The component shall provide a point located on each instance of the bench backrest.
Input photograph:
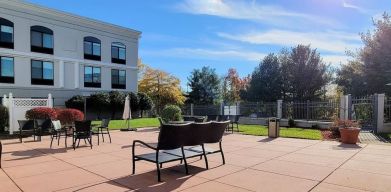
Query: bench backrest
(173, 136)
(215, 132)
(197, 134)
(26, 125)
(44, 124)
(83, 126)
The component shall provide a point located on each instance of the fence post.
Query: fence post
(10, 114)
(349, 106)
(342, 108)
(237, 108)
(222, 108)
(191, 109)
(308, 110)
(279, 108)
(50, 100)
(379, 112)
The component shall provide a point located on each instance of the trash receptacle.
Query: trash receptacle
(274, 127)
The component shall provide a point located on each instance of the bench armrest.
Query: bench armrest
(143, 143)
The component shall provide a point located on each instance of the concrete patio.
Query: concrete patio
(253, 164)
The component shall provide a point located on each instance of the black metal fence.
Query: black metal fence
(201, 110)
(258, 109)
(311, 110)
(387, 110)
(363, 111)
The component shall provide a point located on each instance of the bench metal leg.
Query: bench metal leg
(184, 159)
(222, 153)
(204, 154)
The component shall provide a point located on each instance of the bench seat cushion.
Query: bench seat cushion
(163, 157)
(198, 149)
(188, 153)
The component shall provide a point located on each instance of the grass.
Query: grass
(386, 136)
(260, 130)
(134, 123)
(245, 129)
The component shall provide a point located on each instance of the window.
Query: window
(6, 34)
(118, 79)
(6, 70)
(92, 48)
(42, 72)
(41, 40)
(91, 76)
(118, 53)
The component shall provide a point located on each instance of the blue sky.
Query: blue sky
(180, 35)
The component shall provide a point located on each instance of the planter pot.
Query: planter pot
(349, 135)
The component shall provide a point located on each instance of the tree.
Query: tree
(134, 102)
(76, 102)
(205, 86)
(232, 86)
(145, 102)
(117, 101)
(304, 74)
(162, 87)
(266, 81)
(350, 78)
(99, 102)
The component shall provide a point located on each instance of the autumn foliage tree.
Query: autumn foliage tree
(232, 86)
(162, 87)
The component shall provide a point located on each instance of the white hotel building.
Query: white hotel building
(48, 51)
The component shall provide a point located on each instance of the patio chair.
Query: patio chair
(211, 134)
(234, 120)
(170, 137)
(82, 131)
(42, 126)
(57, 131)
(103, 129)
(26, 126)
(1, 152)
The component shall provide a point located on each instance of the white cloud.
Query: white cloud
(336, 60)
(199, 53)
(249, 10)
(355, 7)
(331, 41)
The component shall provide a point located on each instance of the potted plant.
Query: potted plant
(348, 130)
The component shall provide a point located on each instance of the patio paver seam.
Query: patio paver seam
(12, 180)
(339, 168)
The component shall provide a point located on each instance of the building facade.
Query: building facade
(48, 51)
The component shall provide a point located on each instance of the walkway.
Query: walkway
(371, 138)
(253, 164)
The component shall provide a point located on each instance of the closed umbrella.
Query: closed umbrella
(127, 115)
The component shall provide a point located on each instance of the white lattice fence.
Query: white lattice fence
(17, 108)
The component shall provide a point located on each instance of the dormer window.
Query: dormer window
(41, 40)
(92, 48)
(6, 34)
(118, 53)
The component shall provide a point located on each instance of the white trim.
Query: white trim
(77, 74)
(61, 75)
(39, 56)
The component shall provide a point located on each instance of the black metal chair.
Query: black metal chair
(83, 131)
(42, 126)
(234, 120)
(161, 121)
(170, 137)
(211, 134)
(26, 126)
(57, 132)
(103, 129)
(1, 152)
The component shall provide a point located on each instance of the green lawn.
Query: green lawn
(134, 123)
(245, 129)
(284, 132)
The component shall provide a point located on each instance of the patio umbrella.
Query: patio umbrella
(127, 115)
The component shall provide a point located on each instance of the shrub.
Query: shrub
(76, 102)
(291, 122)
(67, 116)
(339, 123)
(171, 113)
(3, 118)
(117, 101)
(145, 102)
(99, 102)
(41, 113)
(134, 101)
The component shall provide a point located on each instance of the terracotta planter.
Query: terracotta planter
(349, 135)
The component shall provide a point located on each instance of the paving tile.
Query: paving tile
(214, 186)
(237, 160)
(252, 152)
(92, 160)
(100, 186)
(282, 148)
(264, 181)
(326, 187)
(300, 170)
(26, 160)
(8, 186)
(313, 159)
(57, 181)
(377, 151)
(170, 182)
(368, 166)
(37, 169)
(373, 158)
(360, 180)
